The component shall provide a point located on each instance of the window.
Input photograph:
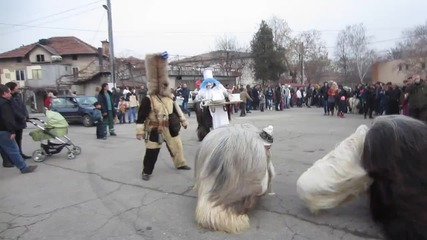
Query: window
(19, 59)
(400, 67)
(40, 58)
(75, 57)
(20, 75)
(423, 66)
(75, 72)
(62, 103)
(407, 66)
(37, 73)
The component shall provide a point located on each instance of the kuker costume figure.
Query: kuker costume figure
(159, 117)
(233, 169)
(389, 162)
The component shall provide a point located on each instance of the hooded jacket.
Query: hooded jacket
(7, 117)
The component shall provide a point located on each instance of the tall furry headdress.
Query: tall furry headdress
(156, 66)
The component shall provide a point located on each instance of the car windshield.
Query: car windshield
(85, 100)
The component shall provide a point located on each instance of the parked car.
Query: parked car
(180, 99)
(75, 108)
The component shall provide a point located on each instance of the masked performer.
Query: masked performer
(159, 117)
(233, 169)
(389, 161)
(211, 105)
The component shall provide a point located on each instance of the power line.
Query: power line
(57, 28)
(39, 26)
(99, 26)
(59, 13)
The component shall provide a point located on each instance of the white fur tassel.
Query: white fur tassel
(336, 178)
(219, 219)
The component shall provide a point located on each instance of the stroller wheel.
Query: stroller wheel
(70, 155)
(76, 150)
(39, 155)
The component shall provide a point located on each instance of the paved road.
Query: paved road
(100, 195)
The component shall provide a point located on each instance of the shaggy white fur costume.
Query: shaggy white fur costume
(354, 102)
(336, 178)
(233, 169)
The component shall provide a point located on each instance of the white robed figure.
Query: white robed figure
(212, 93)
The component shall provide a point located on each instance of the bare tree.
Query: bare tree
(313, 51)
(352, 47)
(228, 47)
(413, 50)
(281, 32)
(285, 44)
(342, 55)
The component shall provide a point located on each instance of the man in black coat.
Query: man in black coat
(324, 96)
(21, 114)
(393, 99)
(369, 98)
(8, 128)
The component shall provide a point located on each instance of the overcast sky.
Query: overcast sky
(190, 27)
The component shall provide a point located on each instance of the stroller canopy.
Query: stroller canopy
(55, 120)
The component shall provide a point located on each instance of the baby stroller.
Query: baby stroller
(56, 128)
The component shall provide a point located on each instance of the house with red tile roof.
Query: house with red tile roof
(58, 64)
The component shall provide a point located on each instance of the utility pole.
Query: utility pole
(110, 39)
(302, 63)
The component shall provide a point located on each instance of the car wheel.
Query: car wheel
(87, 121)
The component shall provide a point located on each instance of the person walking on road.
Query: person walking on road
(8, 128)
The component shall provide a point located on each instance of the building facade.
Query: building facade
(396, 71)
(229, 67)
(58, 64)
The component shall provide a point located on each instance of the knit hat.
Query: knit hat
(267, 135)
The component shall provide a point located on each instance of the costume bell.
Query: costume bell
(159, 117)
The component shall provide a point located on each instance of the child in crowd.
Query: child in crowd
(342, 105)
(121, 114)
(101, 131)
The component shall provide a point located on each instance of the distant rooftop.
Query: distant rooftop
(55, 45)
(212, 56)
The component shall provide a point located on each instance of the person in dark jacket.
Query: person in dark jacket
(278, 97)
(185, 93)
(21, 114)
(417, 98)
(8, 128)
(255, 98)
(309, 96)
(101, 131)
(369, 99)
(106, 99)
(324, 97)
(393, 99)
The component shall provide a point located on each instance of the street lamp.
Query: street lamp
(110, 39)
